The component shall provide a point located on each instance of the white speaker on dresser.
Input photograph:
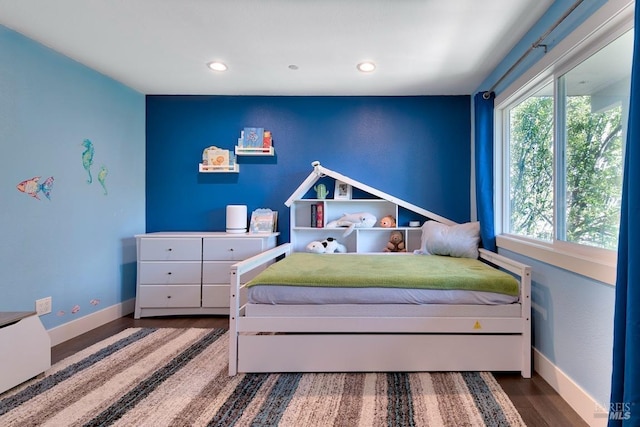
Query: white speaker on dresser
(236, 219)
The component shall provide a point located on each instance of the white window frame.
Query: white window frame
(608, 23)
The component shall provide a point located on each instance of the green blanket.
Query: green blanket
(386, 270)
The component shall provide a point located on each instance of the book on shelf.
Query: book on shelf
(214, 158)
(252, 137)
(267, 141)
(313, 219)
(263, 221)
(316, 219)
(320, 215)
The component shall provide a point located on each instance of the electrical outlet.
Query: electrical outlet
(43, 306)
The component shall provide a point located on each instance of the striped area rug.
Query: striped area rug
(178, 377)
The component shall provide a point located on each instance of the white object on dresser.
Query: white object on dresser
(183, 273)
(25, 348)
(237, 219)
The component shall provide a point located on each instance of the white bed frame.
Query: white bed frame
(379, 338)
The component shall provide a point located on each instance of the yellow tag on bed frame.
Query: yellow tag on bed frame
(477, 325)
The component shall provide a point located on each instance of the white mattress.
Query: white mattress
(317, 295)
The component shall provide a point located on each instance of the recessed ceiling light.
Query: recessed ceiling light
(366, 67)
(293, 67)
(217, 66)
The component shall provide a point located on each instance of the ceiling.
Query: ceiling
(421, 47)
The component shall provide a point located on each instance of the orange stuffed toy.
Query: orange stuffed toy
(388, 222)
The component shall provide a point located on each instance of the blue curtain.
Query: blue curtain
(625, 382)
(484, 168)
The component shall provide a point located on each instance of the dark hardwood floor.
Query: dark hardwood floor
(538, 404)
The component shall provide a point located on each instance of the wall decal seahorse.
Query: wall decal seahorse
(87, 158)
(102, 175)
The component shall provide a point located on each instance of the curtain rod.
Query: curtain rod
(537, 44)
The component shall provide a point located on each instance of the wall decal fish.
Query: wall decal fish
(87, 158)
(32, 187)
(75, 309)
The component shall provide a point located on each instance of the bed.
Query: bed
(368, 327)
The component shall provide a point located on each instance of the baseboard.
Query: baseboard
(79, 326)
(581, 402)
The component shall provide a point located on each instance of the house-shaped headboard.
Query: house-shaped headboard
(314, 214)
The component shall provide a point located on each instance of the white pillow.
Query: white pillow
(460, 240)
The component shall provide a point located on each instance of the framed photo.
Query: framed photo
(342, 191)
(263, 221)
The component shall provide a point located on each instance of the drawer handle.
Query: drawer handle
(168, 296)
(231, 250)
(169, 249)
(169, 273)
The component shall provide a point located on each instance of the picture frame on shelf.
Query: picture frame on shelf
(263, 221)
(342, 191)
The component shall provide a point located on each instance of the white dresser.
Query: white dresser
(183, 273)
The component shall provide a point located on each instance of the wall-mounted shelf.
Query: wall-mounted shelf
(235, 168)
(254, 151)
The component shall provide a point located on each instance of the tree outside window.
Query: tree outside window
(566, 158)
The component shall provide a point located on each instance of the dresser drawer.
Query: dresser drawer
(217, 296)
(218, 272)
(229, 249)
(173, 249)
(170, 273)
(162, 296)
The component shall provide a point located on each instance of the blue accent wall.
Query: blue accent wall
(414, 148)
(77, 246)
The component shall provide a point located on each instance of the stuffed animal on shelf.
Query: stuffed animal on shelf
(327, 246)
(396, 242)
(351, 221)
(388, 222)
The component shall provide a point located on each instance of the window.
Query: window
(563, 145)
(595, 96)
(531, 165)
